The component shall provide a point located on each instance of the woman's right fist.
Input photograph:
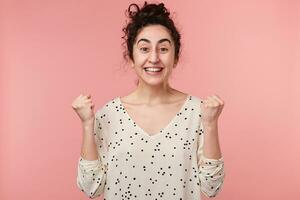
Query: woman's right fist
(84, 108)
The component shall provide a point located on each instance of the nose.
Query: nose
(154, 58)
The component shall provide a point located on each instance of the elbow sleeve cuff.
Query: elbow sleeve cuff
(211, 174)
(91, 177)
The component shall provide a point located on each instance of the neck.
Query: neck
(153, 93)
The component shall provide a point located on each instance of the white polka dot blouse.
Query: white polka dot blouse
(135, 165)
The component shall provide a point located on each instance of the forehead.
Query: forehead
(153, 33)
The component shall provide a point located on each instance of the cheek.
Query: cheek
(167, 59)
(140, 60)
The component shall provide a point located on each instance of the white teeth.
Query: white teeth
(152, 69)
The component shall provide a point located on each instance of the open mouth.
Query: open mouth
(153, 70)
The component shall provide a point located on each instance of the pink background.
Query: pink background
(247, 52)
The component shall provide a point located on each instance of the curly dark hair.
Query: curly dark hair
(149, 14)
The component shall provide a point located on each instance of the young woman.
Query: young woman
(157, 142)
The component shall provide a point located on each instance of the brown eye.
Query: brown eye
(164, 49)
(144, 49)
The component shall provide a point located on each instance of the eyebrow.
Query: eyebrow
(159, 41)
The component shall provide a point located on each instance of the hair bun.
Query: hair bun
(147, 11)
(132, 13)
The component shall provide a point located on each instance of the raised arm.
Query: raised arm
(91, 172)
(91, 175)
(210, 160)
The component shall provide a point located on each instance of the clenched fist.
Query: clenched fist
(211, 108)
(84, 108)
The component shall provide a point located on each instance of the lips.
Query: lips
(153, 69)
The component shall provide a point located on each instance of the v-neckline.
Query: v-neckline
(162, 129)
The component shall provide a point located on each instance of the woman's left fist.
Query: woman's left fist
(211, 108)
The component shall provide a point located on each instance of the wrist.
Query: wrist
(211, 128)
(210, 123)
(88, 124)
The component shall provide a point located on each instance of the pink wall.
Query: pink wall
(244, 51)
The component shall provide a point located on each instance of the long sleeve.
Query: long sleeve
(211, 171)
(91, 174)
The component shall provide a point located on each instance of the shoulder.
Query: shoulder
(196, 102)
(195, 99)
(108, 107)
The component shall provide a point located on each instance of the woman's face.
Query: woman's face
(153, 55)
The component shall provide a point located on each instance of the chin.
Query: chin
(154, 82)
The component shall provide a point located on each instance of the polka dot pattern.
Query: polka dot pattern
(135, 165)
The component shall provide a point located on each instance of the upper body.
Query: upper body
(134, 164)
(157, 142)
